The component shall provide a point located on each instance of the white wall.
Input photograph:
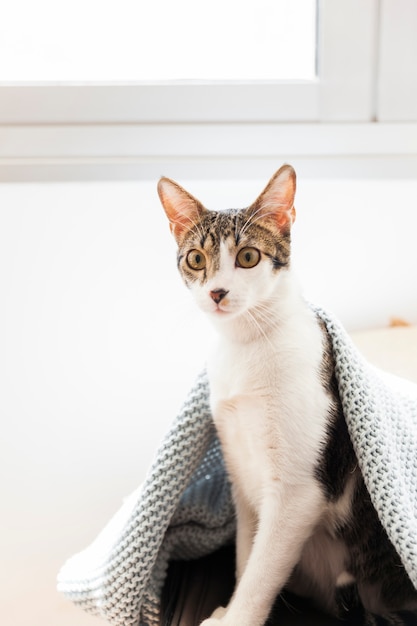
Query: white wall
(99, 341)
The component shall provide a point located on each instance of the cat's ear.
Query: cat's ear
(182, 209)
(276, 202)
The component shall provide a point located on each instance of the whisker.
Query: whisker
(254, 217)
(249, 220)
(258, 326)
(186, 220)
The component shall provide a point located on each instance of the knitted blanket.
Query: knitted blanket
(184, 508)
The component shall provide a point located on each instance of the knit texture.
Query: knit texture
(184, 508)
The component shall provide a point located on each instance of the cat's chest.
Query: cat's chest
(263, 415)
(234, 370)
(267, 373)
(245, 400)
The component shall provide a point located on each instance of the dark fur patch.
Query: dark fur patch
(373, 560)
(347, 600)
(338, 460)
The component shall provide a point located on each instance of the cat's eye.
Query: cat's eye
(248, 257)
(196, 260)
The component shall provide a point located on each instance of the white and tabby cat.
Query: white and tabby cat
(304, 517)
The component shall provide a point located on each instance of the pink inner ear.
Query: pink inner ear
(183, 217)
(182, 210)
(178, 223)
(286, 218)
(278, 197)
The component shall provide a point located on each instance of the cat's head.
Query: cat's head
(232, 260)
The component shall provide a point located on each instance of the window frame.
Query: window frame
(328, 98)
(328, 128)
(397, 85)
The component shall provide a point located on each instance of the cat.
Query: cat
(304, 517)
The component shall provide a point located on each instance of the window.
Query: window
(342, 91)
(357, 69)
(136, 40)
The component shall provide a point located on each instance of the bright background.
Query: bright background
(100, 343)
(128, 40)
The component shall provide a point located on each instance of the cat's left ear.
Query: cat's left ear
(182, 209)
(276, 202)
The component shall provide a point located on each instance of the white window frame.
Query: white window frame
(327, 98)
(218, 129)
(397, 79)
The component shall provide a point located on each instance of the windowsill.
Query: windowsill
(145, 151)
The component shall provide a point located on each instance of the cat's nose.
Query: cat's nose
(218, 294)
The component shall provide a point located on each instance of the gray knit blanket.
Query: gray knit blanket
(184, 508)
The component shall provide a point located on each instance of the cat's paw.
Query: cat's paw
(216, 617)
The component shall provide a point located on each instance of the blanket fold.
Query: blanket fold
(184, 508)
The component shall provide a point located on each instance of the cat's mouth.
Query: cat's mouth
(226, 308)
(217, 309)
(223, 310)
(220, 311)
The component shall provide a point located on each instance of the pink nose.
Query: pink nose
(218, 294)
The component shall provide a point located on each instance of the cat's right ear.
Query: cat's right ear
(182, 209)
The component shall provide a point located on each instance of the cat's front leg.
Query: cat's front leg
(287, 519)
(245, 531)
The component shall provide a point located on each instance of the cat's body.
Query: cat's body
(299, 496)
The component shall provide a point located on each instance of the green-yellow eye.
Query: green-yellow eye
(196, 260)
(248, 257)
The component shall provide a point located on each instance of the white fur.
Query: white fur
(270, 412)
